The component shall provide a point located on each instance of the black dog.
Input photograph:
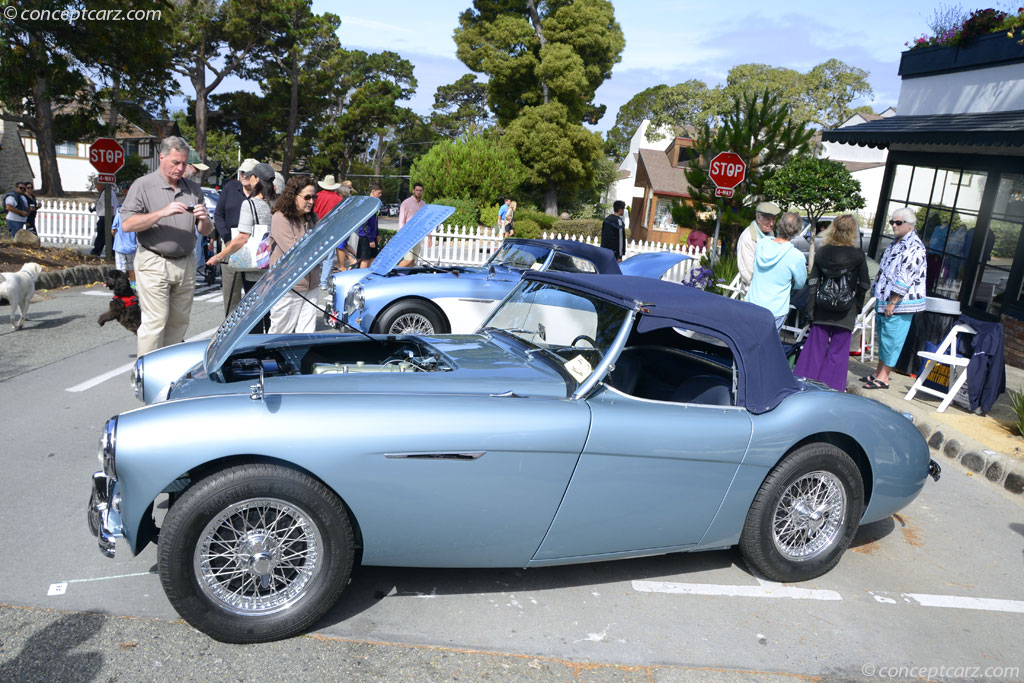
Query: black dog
(124, 307)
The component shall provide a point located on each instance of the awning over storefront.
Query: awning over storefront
(995, 129)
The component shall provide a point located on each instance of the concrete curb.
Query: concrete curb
(995, 468)
(72, 277)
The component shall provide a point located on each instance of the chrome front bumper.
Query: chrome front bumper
(104, 515)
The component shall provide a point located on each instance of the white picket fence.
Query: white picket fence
(454, 245)
(66, 222)
(73, 223)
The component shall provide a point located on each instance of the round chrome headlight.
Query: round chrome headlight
(354, 300)
(107, 447)
(136, 380)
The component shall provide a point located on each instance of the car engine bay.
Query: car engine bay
(348, 357)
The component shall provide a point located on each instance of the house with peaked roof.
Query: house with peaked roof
(142, 138)
(661, 175)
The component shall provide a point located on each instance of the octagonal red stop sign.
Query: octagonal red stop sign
(727, 170)
(106, 155)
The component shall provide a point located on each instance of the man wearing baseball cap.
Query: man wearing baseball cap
(225, 217)
(763, 225)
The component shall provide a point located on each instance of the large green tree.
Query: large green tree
(302, 45)
(480, 168)
(460, 108)
(675, 107)
(822, 96)
(39, 78)
(363, 109)
(544, 62)
(765, 134)
(222, 38)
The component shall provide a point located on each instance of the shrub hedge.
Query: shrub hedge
(466, 211)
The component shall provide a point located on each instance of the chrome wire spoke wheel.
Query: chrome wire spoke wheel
(412, 323)
(810, 516)
(258, 556)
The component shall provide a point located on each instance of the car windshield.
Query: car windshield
(574, 330)
(522, 256)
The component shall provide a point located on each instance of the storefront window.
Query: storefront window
(946, 202)
(997, 253)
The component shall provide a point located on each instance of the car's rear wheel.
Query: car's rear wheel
(805, 514)
(255, 553)
(412, 317)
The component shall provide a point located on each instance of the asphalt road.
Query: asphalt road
(933, 593)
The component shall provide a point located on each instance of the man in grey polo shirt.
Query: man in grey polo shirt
(165, 209)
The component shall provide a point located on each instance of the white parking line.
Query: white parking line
(768, 589)
(100, 379)
(961, 602)
(765, 590)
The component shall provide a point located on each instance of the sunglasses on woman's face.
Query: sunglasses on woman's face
(897, 223)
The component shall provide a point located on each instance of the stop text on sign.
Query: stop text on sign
(106, 156)
(728, 170)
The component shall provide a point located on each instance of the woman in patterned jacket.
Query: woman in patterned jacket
(900, 292)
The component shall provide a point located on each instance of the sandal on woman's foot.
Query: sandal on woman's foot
(868, 378)
(876, 384)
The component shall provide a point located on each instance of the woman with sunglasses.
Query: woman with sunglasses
(293, 218)
(899, 290)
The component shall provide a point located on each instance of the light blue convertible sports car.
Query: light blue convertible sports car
(591, 417)
(432, 299)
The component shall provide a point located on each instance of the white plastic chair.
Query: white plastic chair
(945, 354)
(735, 288)
(865, 325)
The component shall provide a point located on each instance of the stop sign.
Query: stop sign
(106, 155)
(727, 170)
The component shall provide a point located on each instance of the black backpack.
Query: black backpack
(836, 290)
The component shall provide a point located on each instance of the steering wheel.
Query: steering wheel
(583, 337)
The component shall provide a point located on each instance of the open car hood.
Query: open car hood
(304, 256)
(418, 227)
(652, 265)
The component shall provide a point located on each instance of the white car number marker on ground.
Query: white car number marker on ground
(100, 379)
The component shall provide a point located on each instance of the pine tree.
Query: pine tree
(764, 134)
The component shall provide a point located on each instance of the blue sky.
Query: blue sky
(667, 41)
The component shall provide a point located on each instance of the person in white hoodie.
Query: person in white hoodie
(778, 267)
(759, 228)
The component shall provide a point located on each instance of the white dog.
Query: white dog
(18, 289)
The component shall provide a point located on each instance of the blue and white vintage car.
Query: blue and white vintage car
(591, 417)
(433, 300)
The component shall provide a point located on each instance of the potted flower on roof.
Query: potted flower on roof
(988, 37)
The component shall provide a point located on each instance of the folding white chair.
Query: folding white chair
(945, 354)
(735, 288)
(865, 325)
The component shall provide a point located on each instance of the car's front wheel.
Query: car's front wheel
(805, 514)
(412, 317)
(255, 553)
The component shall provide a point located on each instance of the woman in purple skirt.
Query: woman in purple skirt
(840, 271)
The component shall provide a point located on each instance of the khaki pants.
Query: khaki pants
(231, 283)
(165, 287)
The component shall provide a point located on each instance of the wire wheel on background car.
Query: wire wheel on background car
(255, 553)
(805, 514)
(411, 317)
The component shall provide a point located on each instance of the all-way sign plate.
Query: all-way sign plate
(723, 191)
(108, 178)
